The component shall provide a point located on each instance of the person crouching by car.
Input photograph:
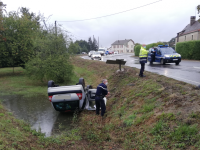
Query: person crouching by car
(143, 60)
(100, 94)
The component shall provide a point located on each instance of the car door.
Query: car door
(90, 102)
(157, 55)
(149, 55)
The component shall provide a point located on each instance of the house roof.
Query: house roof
(122, 42)
(191, 28)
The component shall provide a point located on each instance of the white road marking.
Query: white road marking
(197, 67)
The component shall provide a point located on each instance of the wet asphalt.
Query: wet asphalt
(187, 71)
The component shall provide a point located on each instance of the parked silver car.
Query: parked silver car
(96, 56)
(90, 53)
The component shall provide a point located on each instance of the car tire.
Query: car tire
(82, 82)
(51, 83)
(177, 63)
(162, 62)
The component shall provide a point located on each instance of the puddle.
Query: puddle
(39, 113)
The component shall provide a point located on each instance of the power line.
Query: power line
(114, 13)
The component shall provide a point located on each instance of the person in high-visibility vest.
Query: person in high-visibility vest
(143, 60)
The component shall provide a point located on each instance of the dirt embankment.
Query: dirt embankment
(154, 112)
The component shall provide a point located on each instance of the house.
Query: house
(190, 32)
(123, 46)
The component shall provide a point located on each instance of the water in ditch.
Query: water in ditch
(39, 113)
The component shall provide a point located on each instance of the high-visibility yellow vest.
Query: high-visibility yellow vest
(143, 52)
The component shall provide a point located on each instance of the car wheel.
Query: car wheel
(177, 63)
(51, 83)
(162, 62)
(82, 82)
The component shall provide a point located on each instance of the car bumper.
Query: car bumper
(172, 60)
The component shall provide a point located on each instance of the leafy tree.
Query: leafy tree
(94, 44)
(52, 62)
(90, 43)
(74, 48)
(83, 45)
(198, 8)
(137, 50)
(19, 33)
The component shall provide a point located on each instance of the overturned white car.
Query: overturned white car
(71, 98)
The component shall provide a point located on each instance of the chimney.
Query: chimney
(192, 20)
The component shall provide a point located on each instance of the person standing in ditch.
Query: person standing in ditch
(143, 60)
(100, 94)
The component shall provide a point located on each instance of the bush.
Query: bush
(55, 67)
(189, 50)
(137, 50)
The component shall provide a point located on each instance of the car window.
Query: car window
(96, 53)
(167, 50)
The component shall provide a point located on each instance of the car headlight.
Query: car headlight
(166, 55)
(179, 55)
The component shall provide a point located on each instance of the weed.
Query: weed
(147, 107)
(1, 114)
(167, 116)
(185, 133)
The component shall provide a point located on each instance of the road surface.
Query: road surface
(187, 71)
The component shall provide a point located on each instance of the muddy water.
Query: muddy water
(39, 113)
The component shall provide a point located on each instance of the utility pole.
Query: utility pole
(98, 43)
(55, 28)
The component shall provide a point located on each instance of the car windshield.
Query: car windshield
(101, 50)
(96, 53)
(167, 50)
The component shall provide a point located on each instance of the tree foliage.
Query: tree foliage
(84, 46)
(18, 37)
(42, 53)
(189, 49)
(137, 50)
(154, 45)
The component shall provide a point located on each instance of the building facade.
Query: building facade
(190, 32)
(123, 46)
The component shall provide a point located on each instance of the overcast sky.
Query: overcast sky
(157, 22)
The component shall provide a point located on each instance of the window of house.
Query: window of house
(117, 46)
(114, 46)
(192, 37)
(131, 46)
(128, 46)
(127, 50)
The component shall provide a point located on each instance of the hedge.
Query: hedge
(137, 50)
(189, 50)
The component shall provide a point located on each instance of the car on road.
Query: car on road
(116, 52)
(84, 53)
(72, 98)
(96, 56)
(107, 53)
(102, 51)
(165, 54)
(90, 53)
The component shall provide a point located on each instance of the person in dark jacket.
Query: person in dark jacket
(100, 94)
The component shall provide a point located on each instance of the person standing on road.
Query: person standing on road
(143, 60)
(100, 94)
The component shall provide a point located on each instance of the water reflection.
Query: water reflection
(39, 113)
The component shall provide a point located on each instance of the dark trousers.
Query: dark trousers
(142, 69)
(152, 57)
(100, 103)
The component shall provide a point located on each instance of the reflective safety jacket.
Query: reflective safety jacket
(143, 55)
